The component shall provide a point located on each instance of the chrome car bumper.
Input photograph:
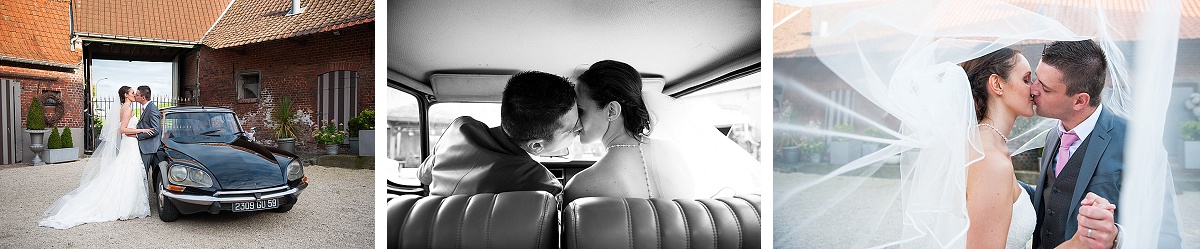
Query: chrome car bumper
(236, 196)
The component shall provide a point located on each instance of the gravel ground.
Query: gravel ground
(844, 223)
(335, 211)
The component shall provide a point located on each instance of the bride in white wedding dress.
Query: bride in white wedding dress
(113, 186)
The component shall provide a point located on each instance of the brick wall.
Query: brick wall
(287, 68)
(69, 82)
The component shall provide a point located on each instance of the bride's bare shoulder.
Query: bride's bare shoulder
(993, 162)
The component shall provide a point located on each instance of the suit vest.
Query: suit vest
(1056, 198)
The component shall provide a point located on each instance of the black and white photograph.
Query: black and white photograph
(573, 124)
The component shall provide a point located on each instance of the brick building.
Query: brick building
(241, 55)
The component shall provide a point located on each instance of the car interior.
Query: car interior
(450, 59)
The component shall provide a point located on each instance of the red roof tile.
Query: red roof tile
(251, 21)
(176, 21)
(793, 38)
(37, 32)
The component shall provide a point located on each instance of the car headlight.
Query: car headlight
(188, 176)
(295, 170)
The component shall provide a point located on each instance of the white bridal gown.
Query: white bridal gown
(116, 192)
(1020, 230)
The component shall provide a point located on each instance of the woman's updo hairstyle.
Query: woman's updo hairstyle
(121, 93)
(980, 69)
(609, 81)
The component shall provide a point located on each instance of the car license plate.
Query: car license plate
(255, 205)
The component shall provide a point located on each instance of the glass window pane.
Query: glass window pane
(403, 138)
(735, 108)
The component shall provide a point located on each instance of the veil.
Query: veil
(719, 167)
(901, 58)
(104, 155)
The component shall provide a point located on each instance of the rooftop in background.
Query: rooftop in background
(171, 21)
(793, 37)
(37, 32)
(251, 21)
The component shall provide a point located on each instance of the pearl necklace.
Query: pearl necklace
(645, 171)
(1002, 136)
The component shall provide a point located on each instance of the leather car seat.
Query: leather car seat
(523, 219)
(607, 222)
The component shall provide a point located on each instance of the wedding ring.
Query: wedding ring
(1089, 234)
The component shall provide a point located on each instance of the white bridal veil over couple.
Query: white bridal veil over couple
(954, 76)
(113, 185)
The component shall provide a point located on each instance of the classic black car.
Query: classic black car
(207, 163)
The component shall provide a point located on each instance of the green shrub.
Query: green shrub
(35, 120)
(843, 129)
(1190, 131)
(364, 121)
(284, 115)
(67, 139)
(54, 141)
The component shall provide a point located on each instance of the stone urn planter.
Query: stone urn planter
(286, 144)
(36, 137)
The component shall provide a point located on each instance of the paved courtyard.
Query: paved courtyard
(335, 211)
(844, 224)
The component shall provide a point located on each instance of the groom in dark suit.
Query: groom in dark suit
(1085, 153)
(151, 118)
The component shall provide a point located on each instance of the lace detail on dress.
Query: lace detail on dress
(1024, 218)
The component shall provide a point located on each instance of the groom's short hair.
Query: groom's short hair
(1083, 66)
(532, 103)
(144, 91)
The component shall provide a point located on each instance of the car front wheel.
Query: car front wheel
(166, 209)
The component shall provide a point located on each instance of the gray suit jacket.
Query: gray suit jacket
(1100, 172)
(151, 119)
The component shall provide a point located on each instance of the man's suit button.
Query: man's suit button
(1051, 212)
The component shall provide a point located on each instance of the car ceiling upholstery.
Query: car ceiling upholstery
(684, 42)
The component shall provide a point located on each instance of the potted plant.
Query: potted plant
(790, 149)
(285, 131)
(35, 125)
(362, 133)
(843, 150)
(1190, 132)
(60, 148)
(813, 148)
(330, 134)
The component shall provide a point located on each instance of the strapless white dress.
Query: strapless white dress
(117, 192)
(1024, 220)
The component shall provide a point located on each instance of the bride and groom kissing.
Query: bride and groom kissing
(1074, 203)
(113, 186)
(646, 133)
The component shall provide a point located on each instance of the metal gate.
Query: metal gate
(11, 141)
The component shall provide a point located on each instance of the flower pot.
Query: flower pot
(814, 158)
(366, 143)
(353, 141)
(1191, 151)
(331, 149)
(37, 146)
(62, 155)
(791, 154)
(842, 152)
(286, 144)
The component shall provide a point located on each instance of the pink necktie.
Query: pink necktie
(1064, 151)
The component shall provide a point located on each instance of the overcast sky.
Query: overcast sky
(157, 75)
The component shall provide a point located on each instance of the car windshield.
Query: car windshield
(201, 127)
